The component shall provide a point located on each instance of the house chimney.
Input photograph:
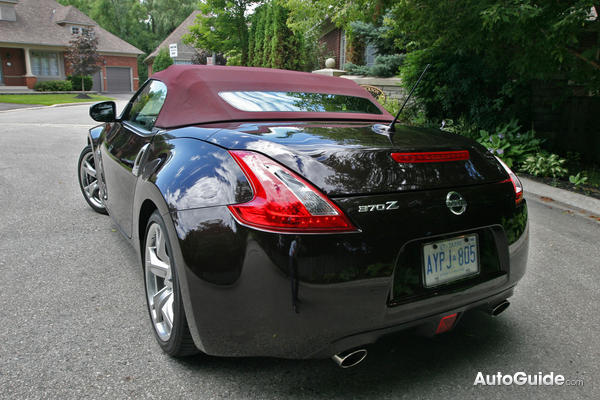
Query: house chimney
(7, 10)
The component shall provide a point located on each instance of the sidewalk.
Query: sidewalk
(550, 194)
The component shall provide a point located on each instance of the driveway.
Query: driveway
(74, 322)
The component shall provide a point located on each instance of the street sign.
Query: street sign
(173, 50)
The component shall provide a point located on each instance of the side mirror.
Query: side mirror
(105, 111)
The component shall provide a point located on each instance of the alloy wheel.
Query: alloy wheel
(159, 283)
(89, 181)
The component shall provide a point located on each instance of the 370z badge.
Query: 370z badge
(388, 205)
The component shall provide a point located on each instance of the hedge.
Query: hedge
(54, 86)
(76, 82)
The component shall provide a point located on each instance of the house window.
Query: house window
(75, 30)
(44, 63)
(370, 54)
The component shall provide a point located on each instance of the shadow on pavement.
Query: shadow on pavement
(400, 361)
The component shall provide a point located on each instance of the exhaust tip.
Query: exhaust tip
(350, 359)
(499, 308)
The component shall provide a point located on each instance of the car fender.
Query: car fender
(94, 135)
(180, 174)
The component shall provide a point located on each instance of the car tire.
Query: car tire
(88, 182)
(163, 294)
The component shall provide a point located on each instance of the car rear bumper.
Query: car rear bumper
(242, 304)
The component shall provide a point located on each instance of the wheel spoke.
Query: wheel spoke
(91, 188)
(89, 169)
(160, 299)
(167, 311)
(161, 246)
(156, 265)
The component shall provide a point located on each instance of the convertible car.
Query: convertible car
(280, 213)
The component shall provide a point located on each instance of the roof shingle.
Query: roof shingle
(38, 24)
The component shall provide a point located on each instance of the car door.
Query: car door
(123, 149)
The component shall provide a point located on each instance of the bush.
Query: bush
(545, 165)
(76, 82)
(384, 66)
(354, 69)
(53, 86)
(509, 144)
(162, 60)
(579, 179)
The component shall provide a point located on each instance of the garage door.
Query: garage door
(97, 81)
(118, 79)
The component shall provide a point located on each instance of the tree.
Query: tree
(162, 60)
(222, 27)
(144, 24)
(488, 54)
(308, 16)
(82, 56)
(271, 43)
(256, 39)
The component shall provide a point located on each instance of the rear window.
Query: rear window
(258, 101)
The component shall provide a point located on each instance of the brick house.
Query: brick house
(34, 35)
(333, 40)
(185, 52)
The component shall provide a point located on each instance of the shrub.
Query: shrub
(579, 179)
(391, 105)
(76, 82)
(162, 60)
(354, 69)
(384, 66)
(545, 165)
(512, 146)
(53, 86)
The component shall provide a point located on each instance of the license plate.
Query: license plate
(450, 260)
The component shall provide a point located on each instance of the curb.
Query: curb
(550, 194)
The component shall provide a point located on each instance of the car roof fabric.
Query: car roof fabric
(193, 94)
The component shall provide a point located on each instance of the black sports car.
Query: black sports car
(275, 214)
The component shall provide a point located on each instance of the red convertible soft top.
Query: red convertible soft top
(193, 94)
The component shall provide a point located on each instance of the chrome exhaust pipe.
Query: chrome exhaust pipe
(499, 308)
(350, 359)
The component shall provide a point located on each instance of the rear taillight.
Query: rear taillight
(517, 185)
(283, 201)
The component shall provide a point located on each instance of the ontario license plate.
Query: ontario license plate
(450, 260)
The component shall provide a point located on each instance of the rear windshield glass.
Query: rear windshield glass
(300, 102)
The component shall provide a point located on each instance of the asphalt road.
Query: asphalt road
(73, 322)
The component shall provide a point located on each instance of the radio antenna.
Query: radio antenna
(391, 127)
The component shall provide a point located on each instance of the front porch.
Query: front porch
(26, 66)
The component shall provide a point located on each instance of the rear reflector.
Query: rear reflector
(283, 201)
(446, 323)
(431, 157)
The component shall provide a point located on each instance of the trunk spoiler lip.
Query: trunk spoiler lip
(400, 192)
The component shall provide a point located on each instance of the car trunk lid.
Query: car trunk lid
(345, 159)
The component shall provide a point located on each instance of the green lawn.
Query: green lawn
(47, 99)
